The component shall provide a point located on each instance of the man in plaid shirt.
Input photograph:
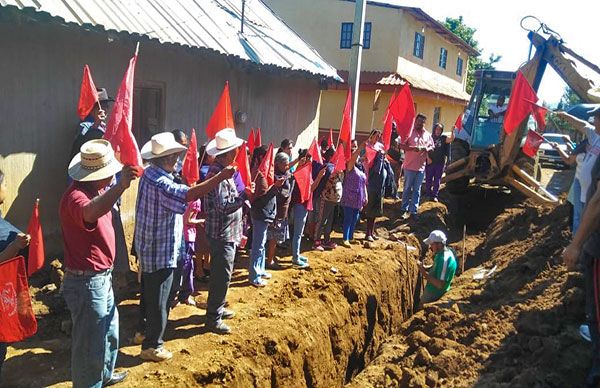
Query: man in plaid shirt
(223, 228)
(159, 233)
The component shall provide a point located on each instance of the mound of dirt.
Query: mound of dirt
(517, 328)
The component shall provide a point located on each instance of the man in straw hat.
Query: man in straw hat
(223, 228)
(159, 233)
(442, 272)
(89, 242)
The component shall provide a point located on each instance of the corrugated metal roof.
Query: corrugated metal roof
(208, 24)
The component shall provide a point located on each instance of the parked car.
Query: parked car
(549, 155)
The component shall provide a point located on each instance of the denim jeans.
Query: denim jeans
(433, 177)
(577, 205)
(412, 190)
(257, 254)
(157, 293)
(221, 267)
(351, 217)
(325, 219)
(300, 214)
(95, 332)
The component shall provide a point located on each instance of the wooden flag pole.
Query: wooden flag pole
(462, 269)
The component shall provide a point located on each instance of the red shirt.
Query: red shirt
(88, 247)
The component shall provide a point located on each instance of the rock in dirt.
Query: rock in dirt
(422, 358)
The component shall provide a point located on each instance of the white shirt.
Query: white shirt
(584, 166)
(497, 109)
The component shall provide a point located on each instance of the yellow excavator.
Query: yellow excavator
(482, 152)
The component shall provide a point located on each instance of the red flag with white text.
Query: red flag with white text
(16, 313)
(532, 143)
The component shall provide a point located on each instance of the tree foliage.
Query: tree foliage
(568, 99)
(466, 33)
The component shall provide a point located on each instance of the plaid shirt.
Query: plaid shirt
(158, 220)
(224, 209)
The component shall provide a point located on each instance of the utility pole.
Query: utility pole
(243, 16)
(356, 58)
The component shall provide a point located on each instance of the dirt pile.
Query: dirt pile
(519, 327)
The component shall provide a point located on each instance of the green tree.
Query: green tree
(568, 99)
(466, 33)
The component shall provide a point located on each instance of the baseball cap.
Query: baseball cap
(437, 236)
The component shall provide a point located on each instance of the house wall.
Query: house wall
(40, 75)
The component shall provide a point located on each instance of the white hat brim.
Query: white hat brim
(212, 149)
(594, 94)
(80, 174)
(147, 153)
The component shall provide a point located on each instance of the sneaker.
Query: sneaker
(116, 378)
(302, 259)
(138, 338)
(300, 264)
(259, 283)
(346, 244)
(156, 355)
(375, 237)
(435, 199)
(329, 245)
(189, 301)
(369, 238)
(219, 328)
(584, 332)
(227, 314)
(405, 215)
(318, 247)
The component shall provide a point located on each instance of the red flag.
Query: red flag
(222, 117)
(458, 123)
(118, 130)
(403, 112)
(37, 257)
(257, 138)
(345, 135)
(267, 167)
(339, 159)
(191, 170)
(250, 143)
(517, 109)
(303, 177)
(88, 96)
(539, 113)
(330, 138)
(243, 166)
(315, 151)
(16, 314)
(388, 118)
(370, 154)
(532, 143)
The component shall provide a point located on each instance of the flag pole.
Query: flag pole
(356, 60)
(462, 269)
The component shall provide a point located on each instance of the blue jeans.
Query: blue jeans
(351, 217)
(95, 332)
(300, 214)
(221, 267)
(157, 293)
(412, 190)
(577, 205)
(257, 254)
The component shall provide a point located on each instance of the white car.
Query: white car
(548, 154)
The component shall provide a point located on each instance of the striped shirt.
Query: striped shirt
(223, 207)
(159, 212)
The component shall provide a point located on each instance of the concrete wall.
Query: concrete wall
(40, 75)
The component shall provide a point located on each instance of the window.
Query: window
(346, 35)
(148, 111)
(459, 66)
(437, 113)
(419, 45)
(443, 57)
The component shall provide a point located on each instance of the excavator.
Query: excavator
(482, 152)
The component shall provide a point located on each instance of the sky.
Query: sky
(499, 31)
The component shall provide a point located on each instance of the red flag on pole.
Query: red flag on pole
(88, 96)
(257, 138)
(267, 167)
(250, 143)
(532, 143)
(330, 138)
(191, 170)
(539, 113)
(243, 166)
(222, 116)
(345, 135)
(36, 256)
(339, 159)
(303, 177)
(388, 118)
(16, 314)
(403, 112)
(118, 130)
(370, 154)
(315, 151)
(517, 109)
(458, 123)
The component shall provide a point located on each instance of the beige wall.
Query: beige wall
(40, 76)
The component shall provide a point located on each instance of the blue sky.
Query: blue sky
(499, 32)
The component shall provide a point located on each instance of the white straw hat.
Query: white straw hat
(437, 236)
(95, 161)
(594, 94)
(225, 140)
(161, 144)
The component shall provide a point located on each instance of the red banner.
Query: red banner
(532, 143)
(16, 313)
(267, 166)
(303, 177)
(88, 96)
(222, 116)
(315, 152)
(191, 169)
(36, 256)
